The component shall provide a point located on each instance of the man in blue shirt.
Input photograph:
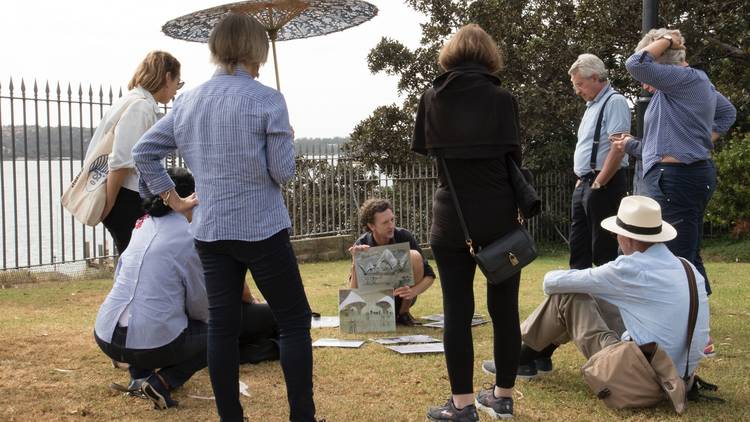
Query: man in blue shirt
(684, 119)
(376, 216)
(648, 284)
(600, 169)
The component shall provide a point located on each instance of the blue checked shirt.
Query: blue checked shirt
(234, 135)
(683, 112)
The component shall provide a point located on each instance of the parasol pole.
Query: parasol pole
(272, 35)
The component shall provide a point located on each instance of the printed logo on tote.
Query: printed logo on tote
(97, 173)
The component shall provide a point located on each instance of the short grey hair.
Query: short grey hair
(588, 65)
(670, 56)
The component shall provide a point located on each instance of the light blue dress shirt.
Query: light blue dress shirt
(651, 291)
(682, 113)
(234, 134)
(159, 279)
(616, 119)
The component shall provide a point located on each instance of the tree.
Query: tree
(540, 40)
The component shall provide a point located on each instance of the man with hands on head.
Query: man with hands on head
(377, 218)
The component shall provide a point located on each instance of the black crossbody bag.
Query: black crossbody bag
(503, 258)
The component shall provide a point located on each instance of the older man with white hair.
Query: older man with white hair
(684, 119)
(600, 169)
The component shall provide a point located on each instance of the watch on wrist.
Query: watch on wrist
(668, 38)
(595, 185)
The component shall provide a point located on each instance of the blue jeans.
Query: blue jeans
(274, 268)
(178, 360)
(683, 191)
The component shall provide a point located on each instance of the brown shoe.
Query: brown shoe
(406, 320)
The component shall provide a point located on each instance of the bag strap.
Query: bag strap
(598, 133)
(692, 313)
(467, 237)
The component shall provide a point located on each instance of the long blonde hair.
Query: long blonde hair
(151, 74)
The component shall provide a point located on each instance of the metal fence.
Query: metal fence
(44, 132)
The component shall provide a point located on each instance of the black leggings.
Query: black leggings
(456, 268)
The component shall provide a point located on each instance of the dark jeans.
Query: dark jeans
(120, 221)
(589, 242)
(683, 191)
(274, 268)
(456, 268)
(178, 360)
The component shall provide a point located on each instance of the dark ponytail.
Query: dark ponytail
(184, 185)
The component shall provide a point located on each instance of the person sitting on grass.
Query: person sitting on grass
(156, 314)
(377, 218)
(648, 284)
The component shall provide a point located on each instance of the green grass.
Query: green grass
(47, 327)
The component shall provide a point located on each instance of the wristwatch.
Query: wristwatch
(595, 185)
(668, 38)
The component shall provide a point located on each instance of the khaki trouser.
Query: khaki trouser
(564, 317)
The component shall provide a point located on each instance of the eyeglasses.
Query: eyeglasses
(180, 84)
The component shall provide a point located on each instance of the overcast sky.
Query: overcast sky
(324, 79)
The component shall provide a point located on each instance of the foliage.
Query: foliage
(382, 140)
(731, 202)
(540, 40)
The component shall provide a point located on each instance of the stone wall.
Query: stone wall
(330, 248)
(323, 248)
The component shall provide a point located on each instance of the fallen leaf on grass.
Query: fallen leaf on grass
(201, 397)
(244, 389)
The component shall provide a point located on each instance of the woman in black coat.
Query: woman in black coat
(471, 121)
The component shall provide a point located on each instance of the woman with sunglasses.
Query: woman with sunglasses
(156, 80)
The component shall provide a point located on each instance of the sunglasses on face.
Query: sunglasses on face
(180, 84)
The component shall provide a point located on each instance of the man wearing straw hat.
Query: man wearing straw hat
(648, 284)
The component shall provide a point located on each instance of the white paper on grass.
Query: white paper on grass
(408, 349)
(325, 322)
(441, 324)
(420, 338)
(335, 342)
(440, 317)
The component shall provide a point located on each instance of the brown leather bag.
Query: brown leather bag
(625, 375)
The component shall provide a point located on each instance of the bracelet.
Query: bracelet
(165, 199)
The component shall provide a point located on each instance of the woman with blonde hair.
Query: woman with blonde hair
(156, 80)
(468, 120)
(234, 134)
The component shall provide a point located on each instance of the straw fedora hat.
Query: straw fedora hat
(639, 218)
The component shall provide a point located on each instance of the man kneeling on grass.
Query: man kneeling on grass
(648, 284)
(377, 218)
(155, 317)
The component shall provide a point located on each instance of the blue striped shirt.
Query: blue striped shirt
(158, 284)
(682, 113)
(234, 134)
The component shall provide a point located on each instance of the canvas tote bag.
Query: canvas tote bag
(86, 195)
